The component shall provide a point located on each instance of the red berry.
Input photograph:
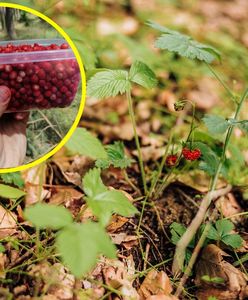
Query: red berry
(39, 84)
(171, 160)
(191, 154)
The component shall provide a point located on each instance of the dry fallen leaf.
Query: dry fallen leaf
(119, 275)
(162, 297)
(8, 224)
(34, 180)
(228, 206)
(116, 223)
(231, 282)
(56, 280)
(63, 194)
(155, 284)
(122, 238)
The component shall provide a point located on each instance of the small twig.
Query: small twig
(193, 227)
(195, 253)
(128, 180)
(148, 246)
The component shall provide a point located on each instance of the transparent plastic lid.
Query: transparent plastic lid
(36, 56)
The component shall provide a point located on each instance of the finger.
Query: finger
(5, 95)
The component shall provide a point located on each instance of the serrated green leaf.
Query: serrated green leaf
(13, 178)
(184, 45)
(48, 216)
(84, 143)
(141, 74)
(176, 230)
(81, 244)
(104, 202)
(216, 124)
(224, 226)
(233, 240)
(221, 232)
(116, 157)
(92, 183)
(9, 192)
(213, 234)
(108, 84)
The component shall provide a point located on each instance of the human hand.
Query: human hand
(13, 141)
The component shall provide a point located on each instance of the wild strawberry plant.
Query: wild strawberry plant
(81, 244)
(185, 46)
(110, 83)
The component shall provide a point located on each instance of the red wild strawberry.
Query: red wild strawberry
(171, 160)
(39, 84)
(191, 154)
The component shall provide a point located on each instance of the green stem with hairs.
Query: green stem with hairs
(141, 163)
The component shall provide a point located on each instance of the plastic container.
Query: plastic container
(39, 79)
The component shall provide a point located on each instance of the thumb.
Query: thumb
(5, 95)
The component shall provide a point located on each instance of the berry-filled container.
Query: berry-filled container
(41, 74)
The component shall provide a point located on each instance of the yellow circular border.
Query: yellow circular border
(83, 77)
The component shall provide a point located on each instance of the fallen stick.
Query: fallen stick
(187, 237)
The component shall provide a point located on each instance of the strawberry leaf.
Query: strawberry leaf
(184, 45)
(233, 240)
(9, 192)
(48, 216)
(81, 244)
(116, 157)
(216, 124)
(84, 143)
(104, 202)
(141, 74)
(13, 178)
(108, 83)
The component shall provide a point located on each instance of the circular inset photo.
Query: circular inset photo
(40, 88)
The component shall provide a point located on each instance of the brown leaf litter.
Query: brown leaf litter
(213, 264)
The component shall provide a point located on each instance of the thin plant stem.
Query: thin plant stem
(166, 182)
(190, 232)
(160, 169)
(132, 116)
(228, 90)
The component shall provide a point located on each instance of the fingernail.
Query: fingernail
(5, 94)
